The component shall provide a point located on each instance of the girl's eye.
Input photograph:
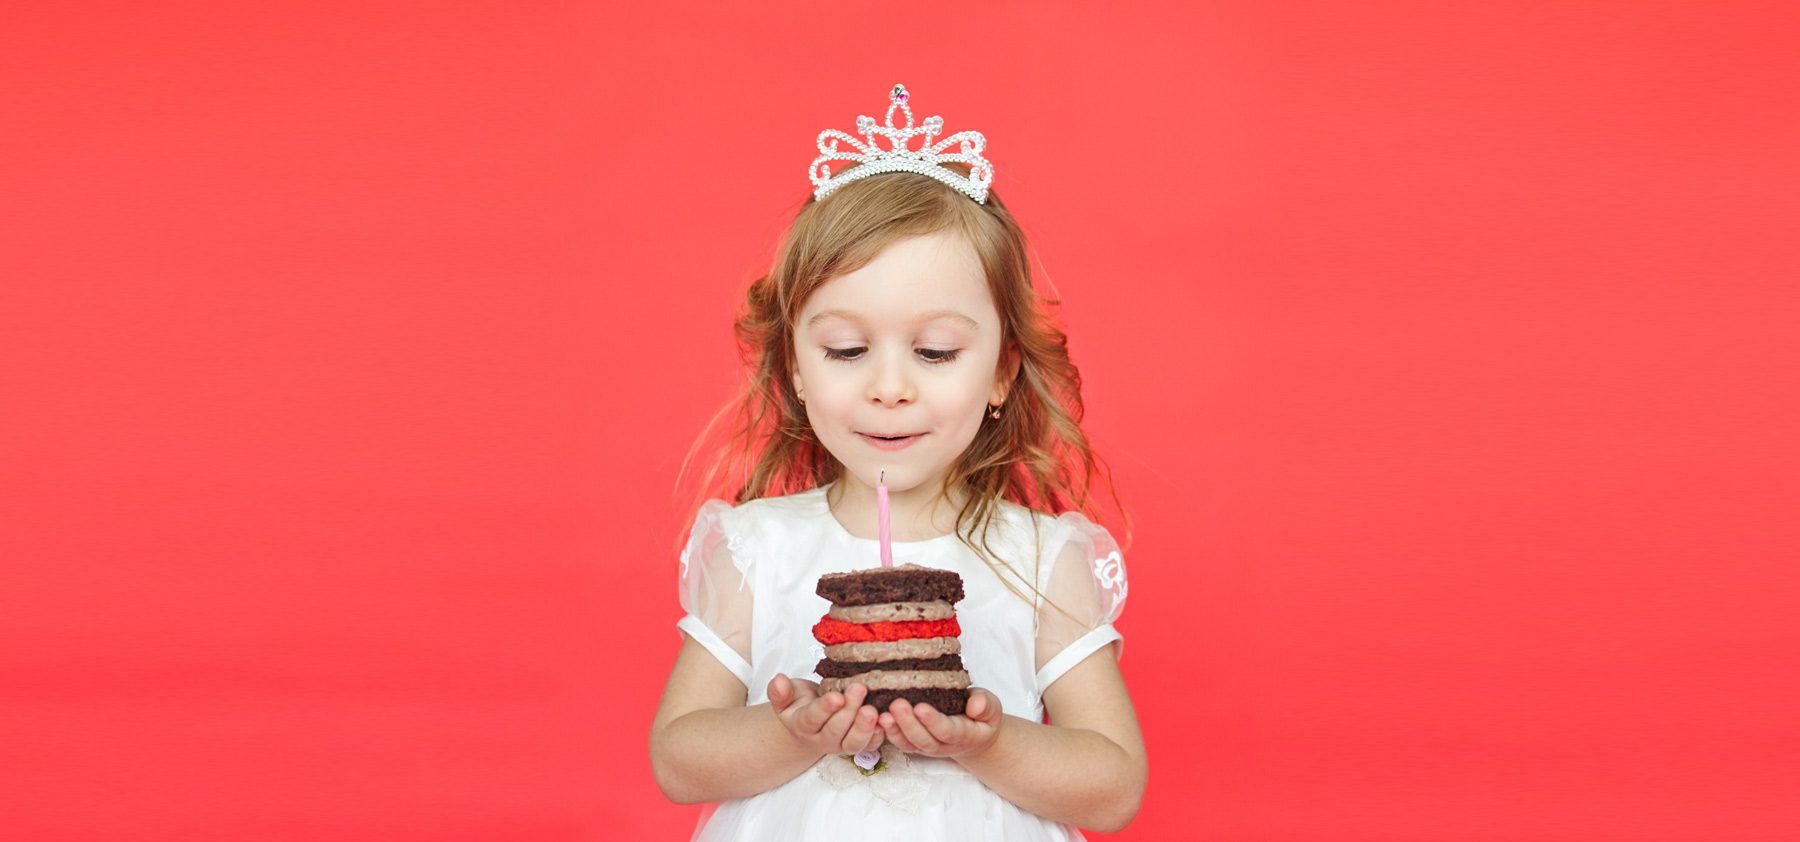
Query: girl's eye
(932, 356)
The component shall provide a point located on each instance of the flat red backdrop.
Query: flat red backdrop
(1441, 351)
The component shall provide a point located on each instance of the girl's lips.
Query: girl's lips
(896, 444)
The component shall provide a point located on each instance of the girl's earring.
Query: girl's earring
(994, 412)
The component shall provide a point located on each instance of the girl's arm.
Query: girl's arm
(1089, 769)
(705, 745)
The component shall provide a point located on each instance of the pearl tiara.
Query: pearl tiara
(900, 157)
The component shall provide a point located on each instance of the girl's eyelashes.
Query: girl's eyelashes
(932, 356)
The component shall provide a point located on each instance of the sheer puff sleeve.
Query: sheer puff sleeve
(715, 588)
(1086, 579)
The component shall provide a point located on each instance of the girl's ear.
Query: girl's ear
(1010, 361)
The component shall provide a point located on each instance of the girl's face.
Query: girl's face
(907, 345)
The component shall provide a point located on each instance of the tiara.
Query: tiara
(900, 156)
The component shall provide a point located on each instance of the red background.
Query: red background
(1442, 353)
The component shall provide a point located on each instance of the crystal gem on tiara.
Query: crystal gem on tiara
(871, 159)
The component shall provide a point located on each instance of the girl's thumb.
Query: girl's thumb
(780, 691)
(981, 706)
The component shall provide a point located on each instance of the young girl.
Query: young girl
(898, 341)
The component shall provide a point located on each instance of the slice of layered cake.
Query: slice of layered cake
(893, 629)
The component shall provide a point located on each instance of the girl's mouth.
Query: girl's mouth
(898, 443)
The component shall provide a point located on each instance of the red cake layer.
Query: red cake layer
(831, 631)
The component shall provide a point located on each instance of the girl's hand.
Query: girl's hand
(833, 723)
(925, 730)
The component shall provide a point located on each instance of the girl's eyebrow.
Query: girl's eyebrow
(923, 317)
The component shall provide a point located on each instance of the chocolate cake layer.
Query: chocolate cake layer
(903, 583)
(950, 702)
(829, 668)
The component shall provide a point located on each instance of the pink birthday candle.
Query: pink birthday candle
(881, 514)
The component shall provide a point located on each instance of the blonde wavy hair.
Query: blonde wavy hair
(1035, 455)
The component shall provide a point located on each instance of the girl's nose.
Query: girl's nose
(892, 380)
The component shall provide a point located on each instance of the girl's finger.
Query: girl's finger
(804, 691)
(977, 706)
(942, 728)
(839, 724)
(991, 710)
(813, 717)
(862, 724)
(862, 728)
(780, 692)
(875, 739)
(891, 728)
(911, 727)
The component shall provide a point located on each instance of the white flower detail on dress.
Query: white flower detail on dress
(897, 781)
(1110, 571)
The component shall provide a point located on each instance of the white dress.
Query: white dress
(747, 582)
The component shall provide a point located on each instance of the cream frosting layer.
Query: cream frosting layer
(892, 612)
(900, 680)
(894, 650)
